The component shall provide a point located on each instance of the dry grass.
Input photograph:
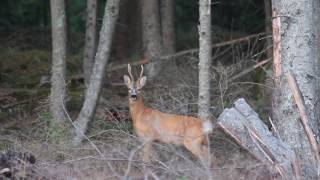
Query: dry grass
(174, 91)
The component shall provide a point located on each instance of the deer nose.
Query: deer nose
(133, 93)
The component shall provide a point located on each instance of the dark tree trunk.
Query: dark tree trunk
(296, 50)
(268, 26)
(151, 36)
(167, 26)
(90, 40)
(97, 75)
(122, 34)
(135, 26)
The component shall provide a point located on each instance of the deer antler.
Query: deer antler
(141, 73)
(129, 71)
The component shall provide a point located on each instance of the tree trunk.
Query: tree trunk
(90, 40)
(135, 26)
(167, 26)
(151, 36)
(204, 59)
(68, 4)
(96, 79)
(296, 49)
(268, 26)
(58, 85)
(122, 34)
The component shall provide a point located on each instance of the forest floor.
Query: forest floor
(24, 118)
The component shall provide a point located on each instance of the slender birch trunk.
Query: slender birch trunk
(90, 40)
(97, 75)
(204, 59)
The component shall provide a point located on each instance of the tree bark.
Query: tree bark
(268, 26)
(58, 85)
(122, 34)
(297, 50)
(90, 40)
(167, 26)
(96, 79)
(204, 59)
(151, 36)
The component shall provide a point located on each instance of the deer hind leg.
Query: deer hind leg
(197, 147)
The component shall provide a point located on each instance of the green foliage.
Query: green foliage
(182, 178)
(240, 15)
(16, 14)
(23, 67)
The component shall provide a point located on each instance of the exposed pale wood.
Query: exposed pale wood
(276, 23)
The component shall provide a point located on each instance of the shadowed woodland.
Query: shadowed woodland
(243, 76)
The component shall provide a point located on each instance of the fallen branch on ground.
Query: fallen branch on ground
(245, 126)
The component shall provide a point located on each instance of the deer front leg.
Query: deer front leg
(146, 151)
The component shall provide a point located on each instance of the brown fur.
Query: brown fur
(153, 125)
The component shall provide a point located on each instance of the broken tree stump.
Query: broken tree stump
(243, 124)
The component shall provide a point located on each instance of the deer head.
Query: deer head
(134, 87)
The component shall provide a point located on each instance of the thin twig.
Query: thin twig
(248, 70)
(274, 128)
(130, 159)
(92, 144)
(86, 137)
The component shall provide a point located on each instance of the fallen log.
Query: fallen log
(243, 124)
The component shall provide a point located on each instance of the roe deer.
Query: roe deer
(153, 125)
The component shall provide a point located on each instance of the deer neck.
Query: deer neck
(136, 108)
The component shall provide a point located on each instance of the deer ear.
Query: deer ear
(127, 80)
(142, 81)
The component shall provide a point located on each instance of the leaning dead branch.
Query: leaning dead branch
(185, 52)
(245, 126)
(303, 114)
